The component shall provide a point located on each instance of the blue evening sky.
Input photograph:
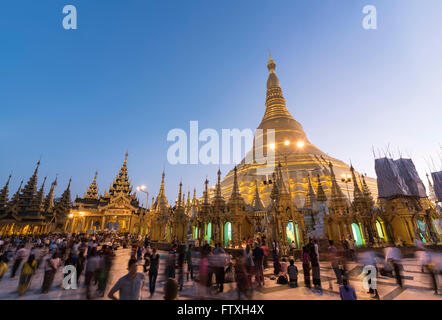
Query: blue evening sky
(133, 70)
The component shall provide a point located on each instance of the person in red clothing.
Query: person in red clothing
(306, 266)
(266, 254)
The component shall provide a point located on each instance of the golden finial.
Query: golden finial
(271, 65)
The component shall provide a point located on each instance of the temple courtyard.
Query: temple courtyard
(417, 285)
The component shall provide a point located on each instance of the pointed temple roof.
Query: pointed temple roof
(92, 191)
(320, 193)
(15, 197)
(37, 203)
(358, 196)
(235, 191)
(180, 201)
(49, 200)
(338, 200)
(218, 199)
(275, 192)
(206, 193)
(121, 184)
(29, 191)
(161, 200)
(257, 204)
(310, 197)
(64, 203)
(291, 147)
(367, 193)
(4, 194)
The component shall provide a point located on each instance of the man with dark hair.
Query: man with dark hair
(129, 285)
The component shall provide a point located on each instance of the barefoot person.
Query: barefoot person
(130, 285)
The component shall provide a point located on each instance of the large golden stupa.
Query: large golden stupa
(298, 157)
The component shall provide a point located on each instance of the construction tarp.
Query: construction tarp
(408, 173)
(390, 182)
(437, 184)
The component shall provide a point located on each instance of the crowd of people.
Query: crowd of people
(90, 255)
(207, 268)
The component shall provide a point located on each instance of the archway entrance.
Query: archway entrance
(194, 232)
(422, 230)
(290, 232)
(380, 229)
(357, 235)
(208, 232)
(227, 234)
(297, 236)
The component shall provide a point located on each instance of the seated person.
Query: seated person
(282, 276)
(276, 267)
(293, 274)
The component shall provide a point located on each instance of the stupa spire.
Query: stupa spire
(357, 193)
(161, 201)
(218, 199)
(338, 200)
(29, 190)
(179, 202)
(281, 184)
(206, 192)
(257, 203)
(4, 193)
(64, 203)
(320, 193)
(92, 191)
(121, 183)
(310, 197)
(37, 203)
(235, 189)
(15, 198)
(366, 192)
(275, 102)
(49, 200)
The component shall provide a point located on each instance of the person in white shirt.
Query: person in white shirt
(51, 267)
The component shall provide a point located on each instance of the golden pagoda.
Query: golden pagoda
(298, 156)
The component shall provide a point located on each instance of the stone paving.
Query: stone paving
(417, 285)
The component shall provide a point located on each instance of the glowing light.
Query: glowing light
(81, 213)
(300, 144)
(287, 142)
(71, 215)
(272, 146)
(141, 188)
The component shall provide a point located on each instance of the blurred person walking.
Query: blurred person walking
(130, 285)
(189, 262)
(27, 271)
(19, 256)
(153, 271)
(51, 267)
(334, 261)
(258, 260)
